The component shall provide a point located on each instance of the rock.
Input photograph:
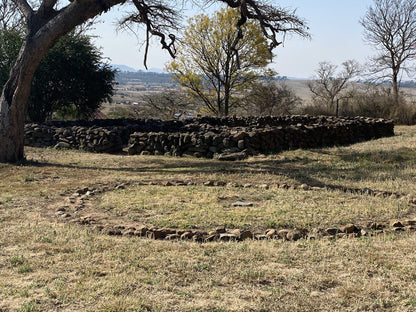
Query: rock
(112, 231)
(409, 222)
(172, 237)
(246, 234)
(304, 187)
(187, 235)
(141, 231)
(294, 235)
(212, 237)
(220, 230)
(271, 233)
(242, 204)
(129, 232)
(348, 228)
(282, 233)
(227, 237)
(396, 223)
(260, 237)
(332, 231)
(232, 156)
(365, 232)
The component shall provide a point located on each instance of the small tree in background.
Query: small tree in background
(215, 64)
(330, 85)
(390, 26)
(163, 105)
(271, 98)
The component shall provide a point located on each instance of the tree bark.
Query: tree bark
(45, 28)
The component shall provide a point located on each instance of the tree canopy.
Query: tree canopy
(390, 26)
(71, 80)
(212, 67)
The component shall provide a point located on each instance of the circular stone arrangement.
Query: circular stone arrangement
(72, 211)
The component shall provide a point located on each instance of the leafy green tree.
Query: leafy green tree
(10, 42)
(215, 64)
(71, 80)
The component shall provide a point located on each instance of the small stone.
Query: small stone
(294, 235)
(220, 230)
(365, 232)
(129, 233)
(141, 231)
(212, 237)
(396, 223)
(282, 233)
(113, 232)
(246, 234)
(270, 233)
(187, 235)
(227, 237)
(332, 231)
(242, 204)
(260, 237)
(172, 237)
(349, 228)
(368, 191)
(304, 187)
(397, 229)
(198, 237)
(264, 186)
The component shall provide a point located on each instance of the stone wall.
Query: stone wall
(207, 136)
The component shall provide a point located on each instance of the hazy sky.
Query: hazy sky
(334, 25)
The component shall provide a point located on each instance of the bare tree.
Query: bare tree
(47, 22)
(271, 98)
(390, 26)
(10, 17)
(164, 105)
(330, 86)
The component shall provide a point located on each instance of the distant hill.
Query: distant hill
(143, 78)
(123, 68)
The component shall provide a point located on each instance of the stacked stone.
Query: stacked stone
(207, 136)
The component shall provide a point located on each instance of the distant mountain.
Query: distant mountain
(123, 68)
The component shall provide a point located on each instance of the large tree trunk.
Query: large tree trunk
(13, 104)
(45, 27)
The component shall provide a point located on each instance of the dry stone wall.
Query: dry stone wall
(230, 138)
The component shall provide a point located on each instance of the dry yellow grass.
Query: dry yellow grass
(49, 265)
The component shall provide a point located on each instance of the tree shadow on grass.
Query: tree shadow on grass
(340, 167)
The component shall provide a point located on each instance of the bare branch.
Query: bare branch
(24, 7)
(158, 20)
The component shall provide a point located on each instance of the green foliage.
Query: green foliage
(77, 82)
(71, 81)
(208, 65)
(10, 43)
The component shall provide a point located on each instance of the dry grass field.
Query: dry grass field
(49, 263)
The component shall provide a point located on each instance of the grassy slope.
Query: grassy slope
(54, 266)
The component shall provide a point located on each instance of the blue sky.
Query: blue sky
(334, 25)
